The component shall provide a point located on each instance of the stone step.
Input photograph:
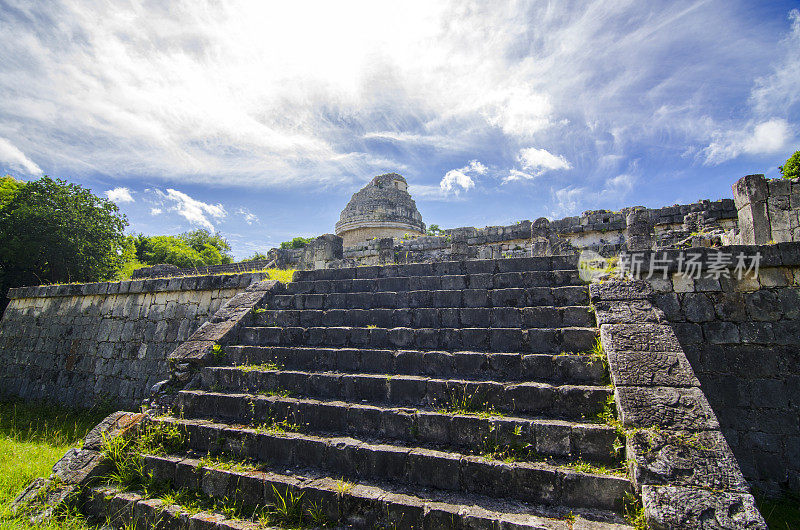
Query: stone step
(565, 401)
(444, 268)
(114, 508)
(498, 317)
(356, 459)
(574, 369)
(536, 340)
(570, 295)
(346, 505)
(552, 438)
(503, 280)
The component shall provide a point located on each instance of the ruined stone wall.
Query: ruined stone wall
(82, 344)
(768, 209)
(742, 338)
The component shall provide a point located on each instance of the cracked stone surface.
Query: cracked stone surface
(666, 408)
(639, 337)
(699, 459)
(648, 368)
(671, 507)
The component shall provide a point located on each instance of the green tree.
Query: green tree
(198, 248)
(9, 187)
(54, 231)
(434, 230)
(791, 169)
(258, 256)
(297, 242)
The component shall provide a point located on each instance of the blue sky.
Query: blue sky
(259, 119)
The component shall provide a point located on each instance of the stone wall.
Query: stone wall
(768, 210)
(742, 338)
(81, 344)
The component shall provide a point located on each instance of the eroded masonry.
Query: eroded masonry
(479, 378)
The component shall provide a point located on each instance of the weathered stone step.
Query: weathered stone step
(566, 401)
(355, 459)
(553, 438)
(444, 268)
(573, 369)
(511, 297)
(436, 283)
(130, 509)
(536, 340)
(377, 504)
(498, 317)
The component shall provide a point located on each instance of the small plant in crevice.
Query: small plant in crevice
(608, 415)
(460, 401)
(633, 511)
(262, 367)
(585, 467)
(286, 509)
(343, 487)
(514, 450)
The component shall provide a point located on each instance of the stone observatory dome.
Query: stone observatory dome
(382, 208)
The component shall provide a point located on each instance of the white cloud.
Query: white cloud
(119, 195)
(248, 216)
(542, 160)
(156, 211)
(194, 211)
(571, 200)
(462, 179)
(16, 159)
(516, 175)
(768, 137)
(777, 92)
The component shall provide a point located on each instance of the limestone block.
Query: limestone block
(621, 290)
(646, 368)
(639, 337)
(682, 283)
(619, 312)
(665, 408)
(670, 507)
(684, 458)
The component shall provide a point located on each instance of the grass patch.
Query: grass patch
(459, 401)
(33, 437)
(781, 513)
(263, 367)
(585, 467)
(281, 275)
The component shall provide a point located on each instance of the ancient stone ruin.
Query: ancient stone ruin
(478, 379)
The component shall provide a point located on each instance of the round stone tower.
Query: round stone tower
(382, 208)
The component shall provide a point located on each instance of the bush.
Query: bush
(791, 169)
(198, 248)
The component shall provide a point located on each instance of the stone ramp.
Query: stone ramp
(445, 395)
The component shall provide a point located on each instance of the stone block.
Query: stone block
(639, 337)
(647, 368)
(700, 459)
(665, 408)
(721, 332)
(668, 507)
(620, 290)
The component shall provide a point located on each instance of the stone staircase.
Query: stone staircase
(445, 395)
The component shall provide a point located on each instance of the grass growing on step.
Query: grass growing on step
(274, 392)
(226, 464)
(281, 275)
(517, 449)
(33, 437)
(343, 487)
(633, 510)
(262, 367)
(585, 467)
(460, 401)
(278, 427)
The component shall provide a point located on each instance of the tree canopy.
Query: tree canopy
(791, 169)
(198, 248)
(52, 231)
(297, 242)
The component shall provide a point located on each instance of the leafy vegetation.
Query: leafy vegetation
(198, 248)
(434, 230)
(297, 242)
(52, 231)
(791, 169)
(460, 401)
(33, 436)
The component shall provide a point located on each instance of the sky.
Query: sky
(260, 119)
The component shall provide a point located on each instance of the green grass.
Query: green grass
(281, 275)
(33, 436)
(782, 513)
